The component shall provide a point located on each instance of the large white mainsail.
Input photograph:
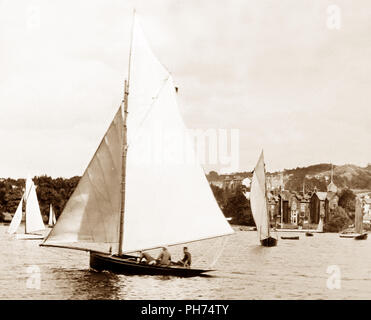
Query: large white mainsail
(34, 221)
(175, 195)
(167, 199)
(258, 199)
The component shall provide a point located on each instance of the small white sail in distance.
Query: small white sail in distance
(33, 219)
(258, 201)
(52, 219)
(166, 202)
(17, 218)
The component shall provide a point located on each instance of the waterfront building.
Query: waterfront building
(284, 206)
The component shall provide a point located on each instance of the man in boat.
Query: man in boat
(147, 258)
(164, 258)
(187, 259)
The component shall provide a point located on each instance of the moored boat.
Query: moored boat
(290, 237)
(348, 235)
(362, 236)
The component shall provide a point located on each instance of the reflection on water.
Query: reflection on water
(245, 270)
(87, 284)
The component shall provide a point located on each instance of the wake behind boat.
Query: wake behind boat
(112, 209)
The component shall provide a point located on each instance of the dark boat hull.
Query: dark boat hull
(361, 237)
(308, 234)
(123, 265)
(269, 242)
(290, 238)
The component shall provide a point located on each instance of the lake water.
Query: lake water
(245, 270)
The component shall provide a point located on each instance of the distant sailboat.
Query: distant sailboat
(124, 202)
(259, 204)
(359, 222)
(356, 233)
(33, 218)
(52, 219)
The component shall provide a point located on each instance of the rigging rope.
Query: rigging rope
(216, 258)
(147, 113)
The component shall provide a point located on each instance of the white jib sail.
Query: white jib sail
(17, 218)
(258, 199)
(34, 221)
(52, 219)
(91, 216)
(168, 198)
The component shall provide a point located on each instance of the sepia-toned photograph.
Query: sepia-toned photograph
(185, 150)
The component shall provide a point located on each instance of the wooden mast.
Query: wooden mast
(124, 149)
(123, 169)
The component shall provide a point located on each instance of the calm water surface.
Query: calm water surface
(245, 270)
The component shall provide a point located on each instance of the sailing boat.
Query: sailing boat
(357, 233)
(359, 222)
(137, 192)
(33, 218)
(52, 219)
(259, 204)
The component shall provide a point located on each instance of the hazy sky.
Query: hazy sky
(272, 69)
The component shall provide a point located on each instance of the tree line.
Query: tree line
(49, 191)
(237, 207)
